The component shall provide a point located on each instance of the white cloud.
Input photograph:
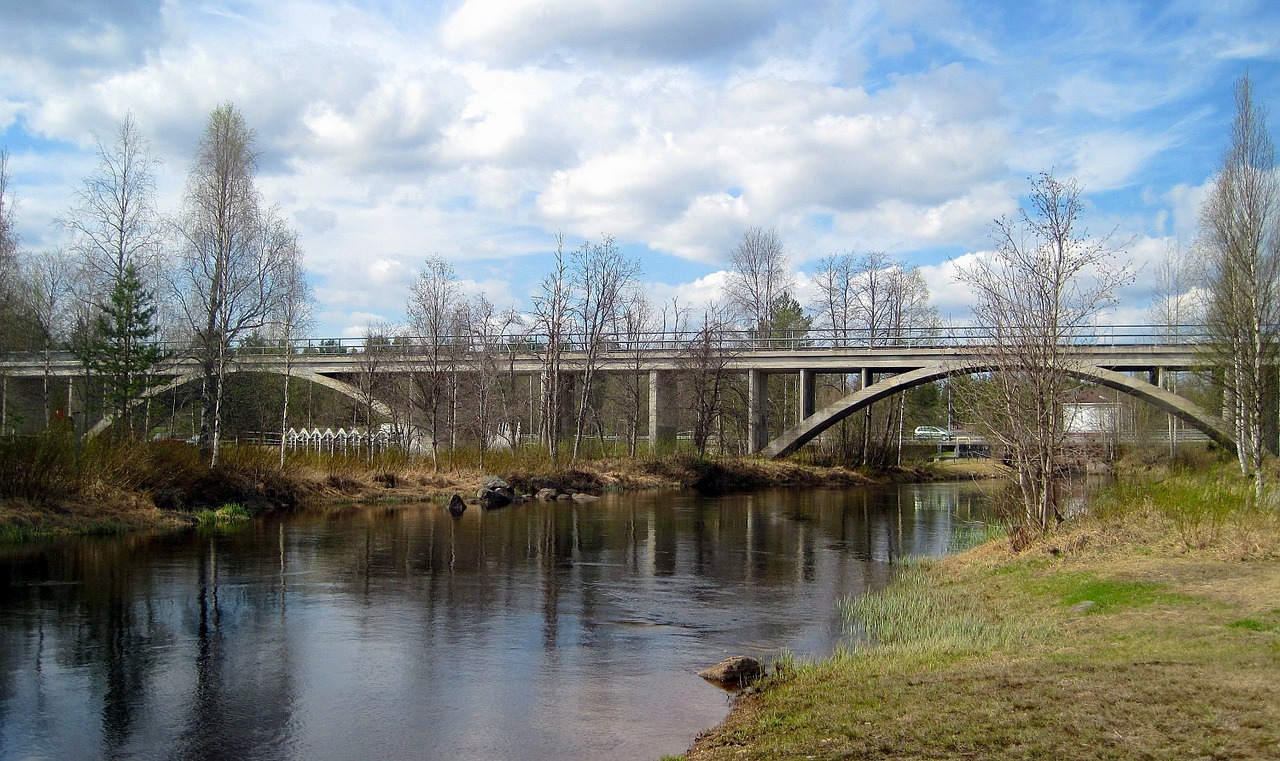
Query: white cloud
(512, 31)
(477, 129)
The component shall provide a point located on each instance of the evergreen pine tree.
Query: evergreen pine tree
(124, 354)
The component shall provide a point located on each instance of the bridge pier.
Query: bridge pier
(757, 410)
(663, 408)
(808, 394)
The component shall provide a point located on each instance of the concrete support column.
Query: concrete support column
(864, 378)
(1155, 376)
(663, 409)
(808, 395)
(757, 411)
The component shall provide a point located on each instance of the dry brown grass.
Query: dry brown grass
(99, 510)
(1178, 658)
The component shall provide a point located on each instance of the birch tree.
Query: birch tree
(293, 315)
(760, 271)
(234, 251)
(1239, 224)
(1036, 295)
(871, 299)
(600, 275)
(487, 330)
(433, 301)
(50, 277)
(704, 361)
(1173, 306)
(114, 221)
(8, 254)
(635, 321)
(551, 318)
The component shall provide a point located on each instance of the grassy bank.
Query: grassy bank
(51, 484)
(1150, 629)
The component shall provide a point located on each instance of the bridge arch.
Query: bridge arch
(193, 376)
(809, 428)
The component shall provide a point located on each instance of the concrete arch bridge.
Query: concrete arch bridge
(1130, 359)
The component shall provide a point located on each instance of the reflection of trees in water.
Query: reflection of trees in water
(188, 639)
(242, 697)
(150, 639)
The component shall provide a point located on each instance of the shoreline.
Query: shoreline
(1148, 629)
(102, 509)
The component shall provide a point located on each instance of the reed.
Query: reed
(919, 613)
(228, 514)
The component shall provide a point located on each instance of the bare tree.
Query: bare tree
(600, 275)
(835, 280)
(8, 253)
(1239, 223)
(118, 236)
(1173, 306)
(114, 221)
(50, 277)
(292, 316)
(486, 329)
(909, 318)
(705, 357)
(433, 301)
(635, 321)
(234, 252)
(1037, 294)
(872, 300)
(759, 273)
(551, 318)
(377, 352)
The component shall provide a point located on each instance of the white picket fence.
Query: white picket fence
(342, 440)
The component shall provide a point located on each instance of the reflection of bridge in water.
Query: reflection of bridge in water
(1130, 359)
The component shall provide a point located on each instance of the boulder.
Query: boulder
(737, 671)
(584, 497)
(494, 492)
(456, 506)
(545, 495)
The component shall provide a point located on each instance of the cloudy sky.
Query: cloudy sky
(393, 130)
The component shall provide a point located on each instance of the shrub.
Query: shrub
(38, 467)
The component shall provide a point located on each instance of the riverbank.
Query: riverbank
(51, 490)
(1150, 629)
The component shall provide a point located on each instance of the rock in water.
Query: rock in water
(494, 492)
(737, 671)
(456, 506)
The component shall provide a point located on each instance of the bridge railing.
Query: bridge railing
(734, 340)
(462, 347)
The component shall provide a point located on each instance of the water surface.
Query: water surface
(535, 632)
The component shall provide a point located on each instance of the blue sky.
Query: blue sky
(394, 130)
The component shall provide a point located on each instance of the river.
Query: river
(541, 631)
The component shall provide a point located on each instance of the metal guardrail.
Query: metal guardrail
(730, 341)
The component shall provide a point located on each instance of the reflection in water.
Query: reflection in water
(540, 631)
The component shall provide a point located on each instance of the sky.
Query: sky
(477, 130)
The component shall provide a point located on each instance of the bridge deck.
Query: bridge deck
(1122, 357)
